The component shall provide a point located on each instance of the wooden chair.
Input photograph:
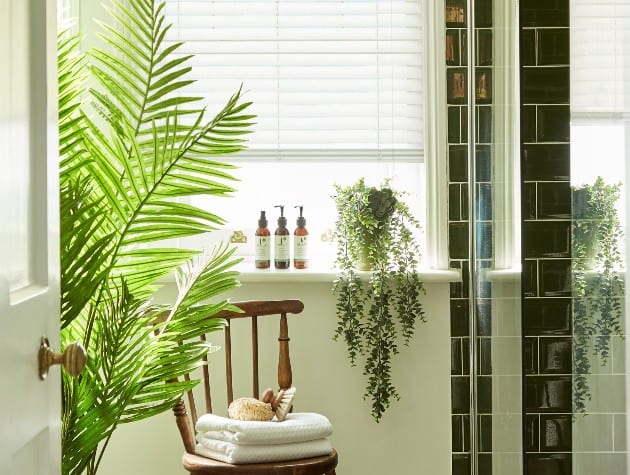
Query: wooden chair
(196, 464)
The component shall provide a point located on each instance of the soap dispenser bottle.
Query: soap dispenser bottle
(262, 256)
(281, 242)
(300, 242)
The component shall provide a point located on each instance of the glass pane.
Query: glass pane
(15, 147)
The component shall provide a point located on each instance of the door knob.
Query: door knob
(73, 358)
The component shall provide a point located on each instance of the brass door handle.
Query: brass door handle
(73, 358)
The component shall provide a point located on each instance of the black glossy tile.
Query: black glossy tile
(484, 124)
(454, 202)
(484, 202)
(555, 433)
(528, 198)
(457, 163)
(484, 464)
(463, 48)
(554, 200)
(483, 13)
(483, 86)
(530, 278)
(530, 355)
(459, 317)
(555, 355)
(532, 433)
(456, 357)
(455, 13)
(464, 202)
(545, 85)
(544, 13)
(484, 317)
(528, 47)
(460, 388)
(544, 316)
(485, 433)
(458, 240)
(464, 124)
(553, 46)
(548, 464)
(483, 158)
(484, 47)
(485, 241)
(544, 394)
(457, 433)
(548, 162)
(528, 124)
(461, 464)
(456, 88)
(555, 278)
(453, 47)
(454, 124)
(546, 239)
(553, 124)
(484, 395)
(466, 422)
(484, 357)
(465, 355)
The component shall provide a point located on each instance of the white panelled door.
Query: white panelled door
(29, 270)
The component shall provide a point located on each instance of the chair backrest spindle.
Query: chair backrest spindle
(255, 380)
(285, 376)
(253, 310)
(228, 362)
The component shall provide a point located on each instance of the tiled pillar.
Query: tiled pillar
(546, 228)
(457, 61)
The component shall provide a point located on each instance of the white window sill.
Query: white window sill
(323, 273)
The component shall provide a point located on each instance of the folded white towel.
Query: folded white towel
(297, 427)
(236, 454)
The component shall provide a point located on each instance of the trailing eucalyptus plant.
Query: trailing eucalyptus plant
(598, 287)
(131, 146)
(375, 230)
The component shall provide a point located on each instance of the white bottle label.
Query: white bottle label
(281, 248)
(263, 249)
(300, 248)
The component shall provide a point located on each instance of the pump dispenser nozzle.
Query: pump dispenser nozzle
(301, 221)
(282, 221)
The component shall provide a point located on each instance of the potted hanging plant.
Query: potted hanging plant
(375, 231)
(597, 281)
(131, 146)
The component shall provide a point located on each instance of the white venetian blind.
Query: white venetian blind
(600, 57)
(329, 79)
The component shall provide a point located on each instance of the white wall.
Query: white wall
(414, 436)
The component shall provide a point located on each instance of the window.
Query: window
(338, 91)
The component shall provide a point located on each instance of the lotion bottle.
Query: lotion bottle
(281, 242)
(300, 243)
(262, 257)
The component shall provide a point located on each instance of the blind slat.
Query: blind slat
(322, 75)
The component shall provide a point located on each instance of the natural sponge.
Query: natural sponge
(250, 409)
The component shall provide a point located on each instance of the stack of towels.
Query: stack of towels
(300, 435)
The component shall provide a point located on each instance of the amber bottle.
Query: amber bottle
(262, 257)
(300, 243)
(281, 242)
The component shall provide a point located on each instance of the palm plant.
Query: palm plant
(131, 145)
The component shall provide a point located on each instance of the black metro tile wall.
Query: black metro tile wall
(459, 253)
(546, 238)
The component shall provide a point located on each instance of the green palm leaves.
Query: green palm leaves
(131, 146)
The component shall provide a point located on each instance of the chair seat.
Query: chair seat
(310, 466)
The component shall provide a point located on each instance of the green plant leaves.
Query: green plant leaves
(131, 147)
(597, 285)
(372, 313)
